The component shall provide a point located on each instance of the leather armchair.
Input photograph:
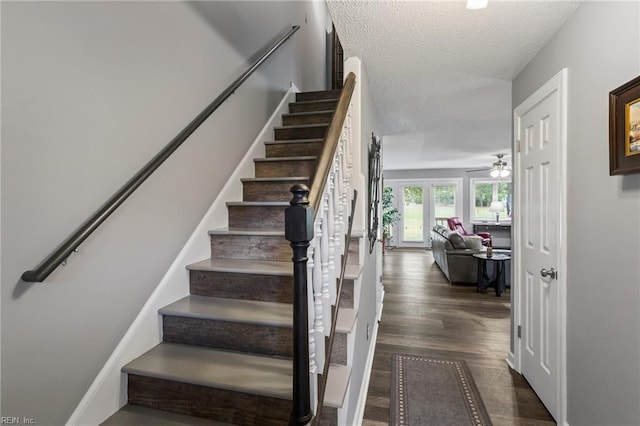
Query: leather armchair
(455, 224)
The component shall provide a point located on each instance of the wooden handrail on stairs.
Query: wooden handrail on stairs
(323, 164)
(301, 219)
(71, 243)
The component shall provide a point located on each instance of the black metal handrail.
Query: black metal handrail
(60, 254)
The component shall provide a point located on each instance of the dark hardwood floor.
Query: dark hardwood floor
(424, 315)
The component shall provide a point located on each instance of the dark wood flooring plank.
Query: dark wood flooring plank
(424, 315)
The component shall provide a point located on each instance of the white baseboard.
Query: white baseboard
(364, 389)
(107, 393)
(511, 360)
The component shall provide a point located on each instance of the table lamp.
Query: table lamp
(496, 207)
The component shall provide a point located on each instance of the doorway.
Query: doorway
(421, 204)
(539, 291)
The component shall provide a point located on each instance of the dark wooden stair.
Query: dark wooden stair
(317, 105)
(301, 118)
(285, 166)
(227, 347)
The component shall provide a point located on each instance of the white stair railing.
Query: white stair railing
(316, 226)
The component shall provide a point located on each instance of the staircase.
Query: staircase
(226, 354)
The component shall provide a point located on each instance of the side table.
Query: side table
(499, 279)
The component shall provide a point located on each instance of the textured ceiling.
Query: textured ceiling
(440, 74)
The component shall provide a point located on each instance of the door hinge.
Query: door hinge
(517, 146)
(519, 331)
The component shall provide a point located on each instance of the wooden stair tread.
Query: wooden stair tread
(318, 95)
(258, 203)
(346, 320)
(275, 179)
(358, 233)
(264, 232)
(260, 267)
(247, 311)
(301, 126)
(275, 159)
(233, 371)
(232, 310)
(294, 141)
(337, 384)
(315, 101)
(135, 415)
(302, 114)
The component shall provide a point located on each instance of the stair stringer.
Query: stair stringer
(351, 340)
(108, 392)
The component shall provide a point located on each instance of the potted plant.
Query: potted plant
(390, 215)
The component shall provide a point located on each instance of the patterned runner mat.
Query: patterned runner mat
(439, 392)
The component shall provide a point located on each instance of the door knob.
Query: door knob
(548, 273)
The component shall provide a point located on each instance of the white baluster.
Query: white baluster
(338, 215)
(344, 194)
(318, 325)
(331, 231)
(346, 176)
(350, 140)
(324, 249)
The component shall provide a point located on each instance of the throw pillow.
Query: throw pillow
(457, 241)
(473, 242)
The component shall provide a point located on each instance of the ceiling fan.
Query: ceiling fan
(498, 169)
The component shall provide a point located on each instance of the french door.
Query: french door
(420, 204)
(413, 220)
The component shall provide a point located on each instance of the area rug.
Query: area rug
(438, 392)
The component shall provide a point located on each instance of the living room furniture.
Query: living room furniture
(497, 207)
(500, 233)
(455, 224)
(453, 253)
(499, 279)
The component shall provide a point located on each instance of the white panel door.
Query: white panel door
(539, 173)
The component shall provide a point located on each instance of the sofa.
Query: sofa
(453, 253)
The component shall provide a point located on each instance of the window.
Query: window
(444, 200)
(420, 203)
(483, 192)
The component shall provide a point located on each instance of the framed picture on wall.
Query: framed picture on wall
(624, 129)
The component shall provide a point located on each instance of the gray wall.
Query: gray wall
(367, 302)
(599, 46)
(91, 91)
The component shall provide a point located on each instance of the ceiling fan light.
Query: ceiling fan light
(495, 173)
(477, 4)
(504, 173)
